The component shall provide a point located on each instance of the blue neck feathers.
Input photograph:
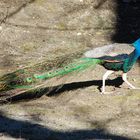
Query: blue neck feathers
(131, 60)
(133, 56)
(137, 52)
(136, 45)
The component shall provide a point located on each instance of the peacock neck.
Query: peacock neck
(131, 60)
(134, 56)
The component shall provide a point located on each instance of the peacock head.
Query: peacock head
(136, 44)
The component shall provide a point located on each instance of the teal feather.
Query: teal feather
(79, 65)
(122, 65)
(19, 80)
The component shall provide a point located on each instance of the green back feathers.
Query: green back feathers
(20, 78)
(78, 65)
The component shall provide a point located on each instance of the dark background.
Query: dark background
(128, 22)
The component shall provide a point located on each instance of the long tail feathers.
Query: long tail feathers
(19, 79)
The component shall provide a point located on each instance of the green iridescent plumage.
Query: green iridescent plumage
(124, 65)
(79, 65)
(20, 79)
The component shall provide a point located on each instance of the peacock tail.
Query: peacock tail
(24, 78)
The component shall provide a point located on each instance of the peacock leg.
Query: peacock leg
(104, 78)
(124, 77)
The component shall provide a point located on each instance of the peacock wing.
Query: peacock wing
(112, 52)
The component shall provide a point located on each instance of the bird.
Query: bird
(112, 57)
(122, 61)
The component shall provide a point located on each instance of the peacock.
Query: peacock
(111, 57)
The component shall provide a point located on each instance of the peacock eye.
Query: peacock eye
(29, 79)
